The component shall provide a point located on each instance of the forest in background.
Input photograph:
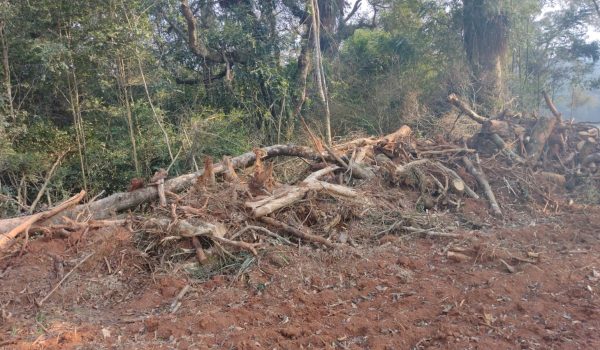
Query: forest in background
(95, 93)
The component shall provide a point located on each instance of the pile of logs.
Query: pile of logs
(440, 171)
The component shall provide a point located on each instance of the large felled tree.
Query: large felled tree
(486, 27)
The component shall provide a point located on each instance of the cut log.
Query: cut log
(457, 186)
(402, 133)
(551, 178)
(160, 186)
(485, 185)
(106, 207)
(468, 191)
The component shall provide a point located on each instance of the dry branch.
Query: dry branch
(355, 169)
(286, 196)
(41, 302)
(47, 181)
(458, 103)
(296, 232)
(552, 107)
(485, 185)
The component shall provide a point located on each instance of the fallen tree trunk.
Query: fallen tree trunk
(106, 207)
(7, 238)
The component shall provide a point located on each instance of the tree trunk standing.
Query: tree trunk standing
(6, 71)
(486, 43)
(122, 82)
(320, 74)
(73, 99)
(307, 43)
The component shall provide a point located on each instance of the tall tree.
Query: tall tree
(486, 27)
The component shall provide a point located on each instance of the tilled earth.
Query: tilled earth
(530, 287)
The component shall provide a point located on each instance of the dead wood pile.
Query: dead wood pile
(358, 190)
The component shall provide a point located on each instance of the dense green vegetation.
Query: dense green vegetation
(97, 92)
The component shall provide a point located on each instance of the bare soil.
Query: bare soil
(400, 293)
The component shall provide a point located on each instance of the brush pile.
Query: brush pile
(350, 193)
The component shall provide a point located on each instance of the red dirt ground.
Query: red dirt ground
(403, 293)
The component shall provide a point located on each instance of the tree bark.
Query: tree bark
(6, 71)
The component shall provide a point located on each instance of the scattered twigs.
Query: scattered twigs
(397, 226)
(296, 232)
(40, 302)
(259, 229)
(431, 233)
(7, 238)
(485, 185)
